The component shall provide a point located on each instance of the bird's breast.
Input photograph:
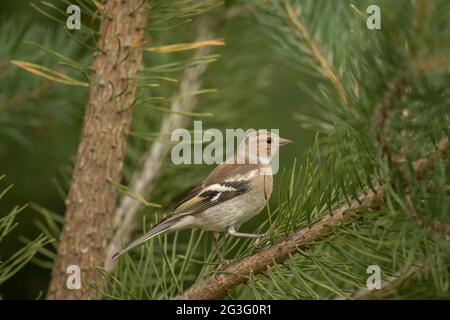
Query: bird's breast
(238, 210)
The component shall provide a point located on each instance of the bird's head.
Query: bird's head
(259, 147)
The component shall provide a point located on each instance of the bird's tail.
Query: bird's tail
(153, 232)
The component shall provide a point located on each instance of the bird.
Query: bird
(233, 193)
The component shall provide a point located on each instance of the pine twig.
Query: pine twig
(391, 285)
(421, 166)
(433, 225)
(315, 52)
(396, 91)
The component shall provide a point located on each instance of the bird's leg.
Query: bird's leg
(222, 260)
(258, 236)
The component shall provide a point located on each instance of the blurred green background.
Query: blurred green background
(37, 158)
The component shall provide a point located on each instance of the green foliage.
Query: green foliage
(344, 162)
(372, 60)
(345, 70)
(11, 265)
(27, 102)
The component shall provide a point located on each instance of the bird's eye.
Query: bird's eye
(269, 140)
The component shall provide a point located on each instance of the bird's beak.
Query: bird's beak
(284, 142)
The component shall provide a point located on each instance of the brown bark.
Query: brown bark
(92, 198)
(395, 93)
(144, 180)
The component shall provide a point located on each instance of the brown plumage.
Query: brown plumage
(233, 193)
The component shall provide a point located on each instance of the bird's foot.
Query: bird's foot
(257, 242)
(223, 263)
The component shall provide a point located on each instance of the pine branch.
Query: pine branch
(92, 198)
(433, 225)
(423, 165)
(397, 90)
(187, 46)
(144, 180)
(9, 266)
(420, 167)
(239, 272)
(315, 53)
(391, 285)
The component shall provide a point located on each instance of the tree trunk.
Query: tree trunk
(92, 198)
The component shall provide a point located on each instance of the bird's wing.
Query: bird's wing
(224, 183)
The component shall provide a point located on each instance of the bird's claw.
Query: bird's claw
(257, 240)
(222, 265)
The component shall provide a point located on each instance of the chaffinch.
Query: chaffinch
(234, 192)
